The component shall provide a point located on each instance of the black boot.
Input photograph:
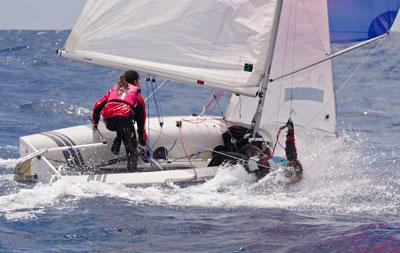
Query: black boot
(132, 161)
(116, 145)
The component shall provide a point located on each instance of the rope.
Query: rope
(148, 121)
(277, 140)
(285, 52)
(157, 103)
(158, 108)
(184, 150)
(213, 102)
(358, 67)
(159, 87)
(293, 57)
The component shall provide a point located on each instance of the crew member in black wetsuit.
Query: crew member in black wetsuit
(291, 152)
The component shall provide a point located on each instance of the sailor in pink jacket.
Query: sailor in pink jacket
(121, 105)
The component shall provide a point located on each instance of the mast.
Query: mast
(255, 124)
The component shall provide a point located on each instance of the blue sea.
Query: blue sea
(348, 201)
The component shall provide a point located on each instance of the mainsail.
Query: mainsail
(306, 30)
(215, 43)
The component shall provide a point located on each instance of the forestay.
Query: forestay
(305, 38)
(216, 43)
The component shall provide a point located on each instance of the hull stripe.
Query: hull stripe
(66, 144)
(75, 152)
(59, 143)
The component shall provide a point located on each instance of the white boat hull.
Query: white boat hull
(79, 154)
(43, 161)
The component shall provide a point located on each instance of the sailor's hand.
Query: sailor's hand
(94, 126)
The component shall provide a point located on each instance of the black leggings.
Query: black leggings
(125, 132)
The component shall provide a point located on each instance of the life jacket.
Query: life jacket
(120, 103)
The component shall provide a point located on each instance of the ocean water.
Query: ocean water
(348, 201)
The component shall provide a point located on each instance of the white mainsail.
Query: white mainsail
(308, 96)
(207, 42)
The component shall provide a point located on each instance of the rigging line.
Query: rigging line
(159, 87)
(191, 155)
(206, 108)
(349, 77)
(159, 113)
(236, 158)
(184, 150)
(203, 120)
(204, 148)
(216, 96)
(358, 68)
(157, 104)
(158, 138)
(217, 99)
(148, 144)
(284, 60)
(173, 145)
(159, 107)
(192, 143)
(334, 55)
(293, 61)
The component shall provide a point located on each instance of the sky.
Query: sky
(39, 14)
(49, 14)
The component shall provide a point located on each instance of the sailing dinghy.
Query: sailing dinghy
(274, 56)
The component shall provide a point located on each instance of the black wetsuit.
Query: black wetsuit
(126, 133)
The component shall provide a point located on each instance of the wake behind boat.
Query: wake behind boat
(273, 56)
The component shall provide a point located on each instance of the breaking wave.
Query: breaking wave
(334, 182)
(8, 163)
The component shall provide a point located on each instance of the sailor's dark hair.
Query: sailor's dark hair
(129, 77)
